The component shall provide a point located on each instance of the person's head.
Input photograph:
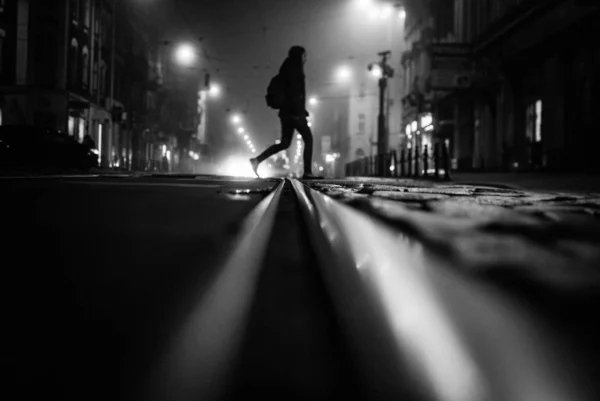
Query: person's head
(297, 53)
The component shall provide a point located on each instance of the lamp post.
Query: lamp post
(384, 71)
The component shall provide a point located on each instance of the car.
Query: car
(31, 147)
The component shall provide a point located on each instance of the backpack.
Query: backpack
(275, 93)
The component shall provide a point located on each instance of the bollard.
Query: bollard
(446, 161)
(426, 160)
(436, 160)
(410, 163)
(402, 161)
(417, 154)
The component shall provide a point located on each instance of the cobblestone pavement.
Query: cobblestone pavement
(547, 239)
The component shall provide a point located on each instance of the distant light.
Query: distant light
(185, 54)
(392, 168)
(414, 126)
(236, 119)
(313, 101)
(402, 13)
(215, 90)
(343, 73)
(321, 168)
(385, 11)
(299, 136)
(277, 141)
(426, 120)
(310, 124)
(376, 71)
(241, 130)
(329, 158)
(246, 136)
(364, 3)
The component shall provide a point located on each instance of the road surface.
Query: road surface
(170, 287)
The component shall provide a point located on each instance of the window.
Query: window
(538, 121)
(533, 130)
(85, 65)
(74, 8)
(85, 13)
(73, 64)
(362, 124)
(71, 126)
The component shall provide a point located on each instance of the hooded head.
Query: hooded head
(297, 54)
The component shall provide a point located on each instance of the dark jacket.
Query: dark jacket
(292, 74)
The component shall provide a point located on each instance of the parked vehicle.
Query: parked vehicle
(30, 147)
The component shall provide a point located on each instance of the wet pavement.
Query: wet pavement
(100, 274)
(550, 238)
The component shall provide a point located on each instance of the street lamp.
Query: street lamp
(236, 119)
(386, 11)
(215, 90)
(313, 101)
(376, 70)
(402, 13)
(384, 72)
(241, 130)
(343, 73)
(185, 54)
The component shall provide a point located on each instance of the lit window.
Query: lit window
(426, 120)
(71, 126)
(81, 129)
(538, 121)
(414, 126)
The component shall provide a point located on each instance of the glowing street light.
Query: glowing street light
(215, 90)
(246, 137)
(386, 11)
(236, 119)
(241, 130)
(185, 54)
(313, 101)
(343, 73)
(402, 13)
(376, 70)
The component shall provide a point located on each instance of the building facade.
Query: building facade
(62, 67)
(509, 85)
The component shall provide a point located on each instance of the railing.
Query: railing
(407, 163)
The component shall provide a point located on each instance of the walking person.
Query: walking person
(287, 93)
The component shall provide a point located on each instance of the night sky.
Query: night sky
(245, 41)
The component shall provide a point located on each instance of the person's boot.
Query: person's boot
(311, 176)
(255, 164)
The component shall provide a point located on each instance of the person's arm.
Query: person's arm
(297, 89)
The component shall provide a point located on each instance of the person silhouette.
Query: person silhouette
(292, 113)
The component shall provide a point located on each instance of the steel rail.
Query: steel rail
(199, 362)
(419, 329)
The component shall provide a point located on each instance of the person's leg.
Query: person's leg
(306, 133)
(287, 131)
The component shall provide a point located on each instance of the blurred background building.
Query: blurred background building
(97, 68)
(508, 84)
